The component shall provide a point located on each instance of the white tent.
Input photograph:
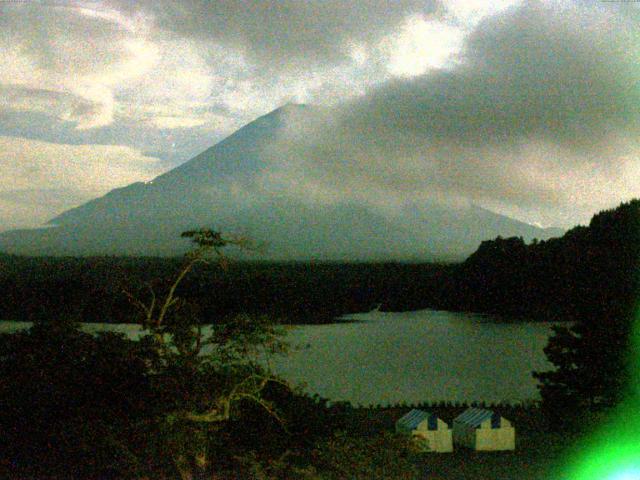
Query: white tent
(427, 429)
(481, 429)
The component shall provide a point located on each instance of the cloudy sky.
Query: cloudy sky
(531, 109)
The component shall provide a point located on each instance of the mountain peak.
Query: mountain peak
(292, 106)
(215, 190)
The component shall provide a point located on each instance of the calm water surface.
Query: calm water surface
(411, 357)
(418, 356)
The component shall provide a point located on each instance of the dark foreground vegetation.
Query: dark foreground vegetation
(77, 406)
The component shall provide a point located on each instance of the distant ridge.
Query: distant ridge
(210, 190)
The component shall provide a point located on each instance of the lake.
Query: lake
(427, 355)
(419, 356)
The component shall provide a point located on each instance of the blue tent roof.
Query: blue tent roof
(475, 416)
(412, 419)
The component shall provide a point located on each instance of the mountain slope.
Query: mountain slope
(220, 188)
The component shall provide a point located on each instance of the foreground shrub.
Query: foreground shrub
(68, 401)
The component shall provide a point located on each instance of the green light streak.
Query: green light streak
(613, 453)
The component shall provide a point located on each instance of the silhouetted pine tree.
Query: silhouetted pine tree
(591, 358)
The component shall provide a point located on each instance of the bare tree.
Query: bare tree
(201, 374)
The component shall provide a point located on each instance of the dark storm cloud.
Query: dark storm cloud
(542, 95)
(276, 32)
(566, 75)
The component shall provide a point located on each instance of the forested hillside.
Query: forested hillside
(92, 289)
(590, 272)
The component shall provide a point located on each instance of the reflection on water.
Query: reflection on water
(408, 357)
(418, 356)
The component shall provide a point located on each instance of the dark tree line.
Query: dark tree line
(590, 270)
(91, 289)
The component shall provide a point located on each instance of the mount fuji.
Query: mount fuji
(221, 188)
